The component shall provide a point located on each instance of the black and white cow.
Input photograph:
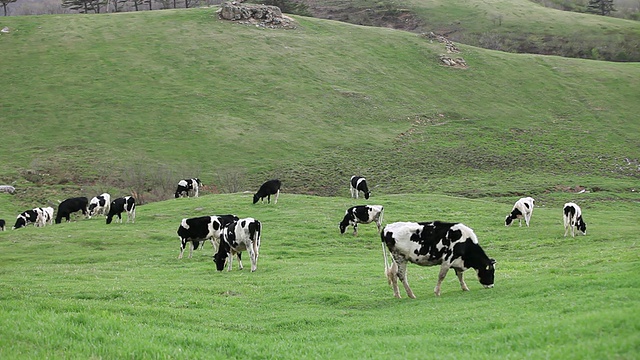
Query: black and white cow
(357, 184)
(186, 185)
(3, 225)
(100, 205)
(270, 187)
(361, 214)
(33, 216)
(47, 216)
(572, 217)
(120, 205)
(69, 206)
(195, 230)
(523, 208)
(450, 245)
(237, 236)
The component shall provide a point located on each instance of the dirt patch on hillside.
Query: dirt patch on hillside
(379, 15)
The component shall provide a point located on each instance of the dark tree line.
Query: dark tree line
(601, 7)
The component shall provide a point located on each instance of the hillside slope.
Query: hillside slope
(520, 26)
(118, 100)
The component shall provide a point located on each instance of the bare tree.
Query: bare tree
(5, 3)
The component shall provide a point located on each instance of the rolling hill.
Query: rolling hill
(116, 101)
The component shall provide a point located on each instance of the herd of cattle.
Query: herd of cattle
(450, 245)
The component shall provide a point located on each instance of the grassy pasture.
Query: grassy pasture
(87, 290)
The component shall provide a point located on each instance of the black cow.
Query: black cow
(3, 225)
(267, 189)
(120, 205)
(186, 185)
(361, 214)
(450, 245)
(357, 184)
(33, 216)
(70, 206)
(238, 236)
(195, 230)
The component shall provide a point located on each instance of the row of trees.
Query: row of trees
(31, 7)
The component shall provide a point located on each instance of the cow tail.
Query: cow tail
(390, 271)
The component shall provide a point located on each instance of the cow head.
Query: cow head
(343, 226)
(21, 221)
(486, 273)
(220, 258)
(256, 198)
(581, 225)
(508, 220)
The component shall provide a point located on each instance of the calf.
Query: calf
(186, 185)
(237, 236)
(357, 184)
(572, 216)
(3, 225)
(450, 245)
(267, 189)
(523, 208)
(70, 206)
(33, 216)
(361, 214)
(120, 205)
(195, 230)
(100, 204)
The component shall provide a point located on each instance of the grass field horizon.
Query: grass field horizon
(90, 290)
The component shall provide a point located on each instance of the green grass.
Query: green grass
(88, 290)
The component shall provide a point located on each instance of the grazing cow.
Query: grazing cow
(523, 208)
(120, 205)
(100, 205)
(357, 184)
(240, 235)
(450, 245)
(270, 187)
(33, 216)
(186, 185)
(361, 214)
(47, 216)
(572, 216)
(195, 230)
(70, 206)
(3, 225)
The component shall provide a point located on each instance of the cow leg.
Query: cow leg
(355, 229)
(460, 275)
(230, 257)
(213, 243)
(402, 275)
(269, 199)
(191, 249)
(443, 273)
(277, 194)
(252, 256)
(183, 243)
(239, 255)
